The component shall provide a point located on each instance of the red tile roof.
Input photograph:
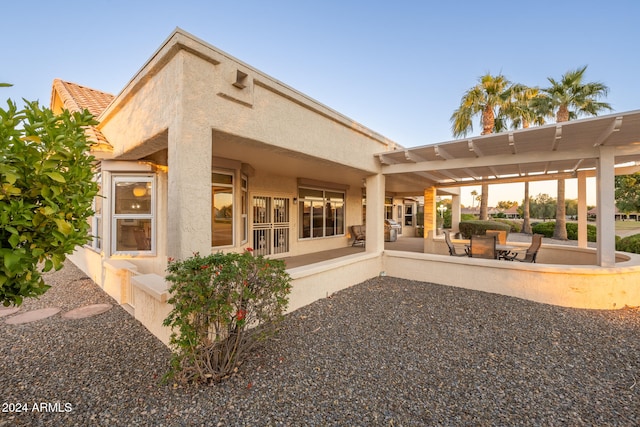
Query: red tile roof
(75, 98)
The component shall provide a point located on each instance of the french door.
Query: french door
(271, 217)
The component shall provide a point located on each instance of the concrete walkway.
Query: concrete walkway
(44, 313)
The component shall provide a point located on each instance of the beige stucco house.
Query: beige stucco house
(201, 152)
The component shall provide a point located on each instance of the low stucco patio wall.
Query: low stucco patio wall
(316, 281)
(146, 295)
(578, 286)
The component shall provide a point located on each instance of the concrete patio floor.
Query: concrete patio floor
(407, 244)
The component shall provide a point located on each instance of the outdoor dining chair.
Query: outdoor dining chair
(532, 250)
(483, 247)
(452, 248)
(500, 234)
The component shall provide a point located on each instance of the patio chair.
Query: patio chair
(500, 234)
(359, 236)
(532, 250)
(452, 248)
(483, 247)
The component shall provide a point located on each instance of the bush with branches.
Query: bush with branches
(46, 192)
(223, 305)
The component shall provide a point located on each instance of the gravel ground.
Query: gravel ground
(386, 352)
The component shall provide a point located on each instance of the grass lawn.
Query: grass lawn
(627, 225)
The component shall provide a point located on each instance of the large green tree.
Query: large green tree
(543, 206)
(46, 191)
(522, 112)
(486, 100)
(567, 99)
(628, 193)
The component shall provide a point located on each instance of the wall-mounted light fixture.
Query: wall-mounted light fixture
(139, 191)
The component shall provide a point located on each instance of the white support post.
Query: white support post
(456, 210)
(189, 191)
(430, 215)
(375, 213)
(582, 209)
(605, 182)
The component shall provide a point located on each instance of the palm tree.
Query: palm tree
(521, 111)
(569, 99)
(486, 99)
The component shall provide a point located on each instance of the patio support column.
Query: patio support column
(375, 186)
(189, 190)
(456, 209)
(582, 209)
(605, 183)
(429, 218)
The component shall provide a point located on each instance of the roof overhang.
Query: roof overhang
(541, 153)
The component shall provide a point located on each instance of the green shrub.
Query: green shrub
(544, 228)
(629, 244)
(547, 229)
(223, 305)
(572, 232)
(515, 226)
(475, 228)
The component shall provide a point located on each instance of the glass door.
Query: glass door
(271, 217)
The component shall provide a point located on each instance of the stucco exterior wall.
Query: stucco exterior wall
(187, 93)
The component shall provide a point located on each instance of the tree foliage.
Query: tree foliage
(486, 99)
(567, 99)
(628, 192)
(506, 204)
(46, 191)
(543, 206)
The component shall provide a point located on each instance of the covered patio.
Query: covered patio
(602, 147)
(572, 276)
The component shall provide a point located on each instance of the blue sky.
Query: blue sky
(399, 68)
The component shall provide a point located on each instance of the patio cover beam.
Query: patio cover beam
(513, 179)
(488, 161)
(613, 127)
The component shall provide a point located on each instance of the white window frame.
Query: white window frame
(232, 174)
(244, 208)
(95, 221)
(143, 179)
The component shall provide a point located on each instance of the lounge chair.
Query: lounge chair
(483, 247)
(532, 250)
(359, 235)
(452, 248)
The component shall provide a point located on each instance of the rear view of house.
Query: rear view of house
(200, 153)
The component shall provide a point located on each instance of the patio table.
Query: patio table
(503, 250)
